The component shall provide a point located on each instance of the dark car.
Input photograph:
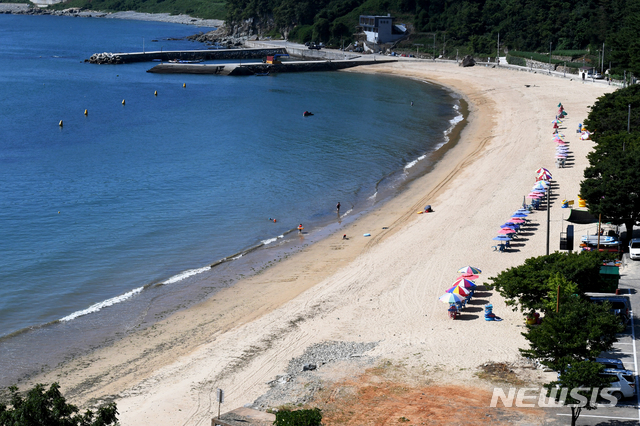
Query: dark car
(620, 306)
(315, 46)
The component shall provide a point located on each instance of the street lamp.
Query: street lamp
(549, 57)
(434, 47)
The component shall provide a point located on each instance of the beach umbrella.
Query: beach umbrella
(469, 270)
(506, 231)
(501, 238)
(460, 291)
(451, 298)
(517, 220)
(560, 155)
(464, 283)
(519, 215)
(508, 225)
(525, 213)
(542, 169)
(544, 173)
(535, 195)
(467, 277)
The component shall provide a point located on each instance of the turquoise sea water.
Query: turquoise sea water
(109, 222)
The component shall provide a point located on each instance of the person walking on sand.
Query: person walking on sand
(338, 207)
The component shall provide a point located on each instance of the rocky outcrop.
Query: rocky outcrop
(467, 61)
(236, 34)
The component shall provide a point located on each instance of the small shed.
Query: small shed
(611, 276)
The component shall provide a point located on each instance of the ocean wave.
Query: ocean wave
(414, 162)
(104, 304)
(453, 122)
(186, 274)
(350, 210)
(271, 240)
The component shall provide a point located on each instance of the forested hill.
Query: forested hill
(459, 26)
(471, 26)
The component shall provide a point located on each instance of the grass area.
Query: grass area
(196, 8)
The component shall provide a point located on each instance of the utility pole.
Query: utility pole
(434, 47)
(444, 45)
(629, 120)
(548, 215)
(549, 73)
(498, 55)
(602, 64)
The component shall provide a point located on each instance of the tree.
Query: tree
(609, 115)
(567, 342)
(581, 378)
(48, 407)
(527, 286)
(581, 330)
(612, 181)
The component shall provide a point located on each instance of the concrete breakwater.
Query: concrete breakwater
(260, 68)
(186, 55)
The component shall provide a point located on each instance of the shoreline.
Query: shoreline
(280, 246)
(245, 335)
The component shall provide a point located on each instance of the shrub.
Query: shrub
(299, 418)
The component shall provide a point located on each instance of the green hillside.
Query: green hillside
(456, 26)
(468, 26)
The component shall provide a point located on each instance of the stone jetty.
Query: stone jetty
(184, 55)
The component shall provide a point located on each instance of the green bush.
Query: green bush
(298, 418)
(515, 60)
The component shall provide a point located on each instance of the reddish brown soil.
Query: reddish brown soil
(370, 400)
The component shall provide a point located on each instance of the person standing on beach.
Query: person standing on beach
(338, 207)
(300, 228)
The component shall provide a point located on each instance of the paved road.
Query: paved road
(627, 412)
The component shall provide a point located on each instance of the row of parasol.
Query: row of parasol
(461, 291)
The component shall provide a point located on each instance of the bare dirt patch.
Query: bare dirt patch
(373, 399)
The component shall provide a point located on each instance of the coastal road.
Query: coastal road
(627, 412)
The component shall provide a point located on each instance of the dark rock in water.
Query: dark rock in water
(467, 61)
(309, 367)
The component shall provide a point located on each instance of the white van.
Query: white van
(634, 248)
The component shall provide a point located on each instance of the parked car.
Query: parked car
(611, 363)
(315, 46)
(624, 384)
(634, 248)
(620, 305)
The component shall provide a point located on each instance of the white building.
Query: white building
(381, 29)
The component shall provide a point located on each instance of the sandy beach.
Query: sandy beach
(383, 288)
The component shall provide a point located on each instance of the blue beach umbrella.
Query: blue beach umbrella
(502, 238)
(451, 298)
(519, 215)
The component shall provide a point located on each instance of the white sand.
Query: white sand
(384, 288)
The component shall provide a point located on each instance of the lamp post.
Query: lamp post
(417, 45)
(434, 47)
(549, 57)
